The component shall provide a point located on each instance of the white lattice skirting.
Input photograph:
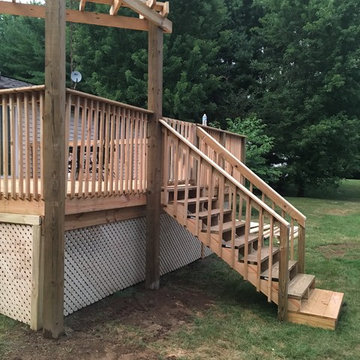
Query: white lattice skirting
(15, 271)
(99, 260)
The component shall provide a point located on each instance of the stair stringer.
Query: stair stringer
(228, 255)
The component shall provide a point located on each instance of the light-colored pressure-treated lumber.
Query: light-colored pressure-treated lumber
(154, 147)
(54, 171)
(83, 17)
(37, 281)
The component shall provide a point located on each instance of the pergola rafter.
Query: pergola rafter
(151, 11)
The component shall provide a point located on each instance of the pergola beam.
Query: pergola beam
(75, 16)
(149, 14)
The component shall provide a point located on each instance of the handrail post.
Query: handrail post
(283, 273)
(301, 249)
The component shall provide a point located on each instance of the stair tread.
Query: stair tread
(275, 269)
(324, 303)
(227, 226)
(193, 200)
(299, 285)
(240, 241)
(203, 214)
(264, 254)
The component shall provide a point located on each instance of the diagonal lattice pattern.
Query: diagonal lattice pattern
(15, 271)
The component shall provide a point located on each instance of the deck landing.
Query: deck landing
(321, 309)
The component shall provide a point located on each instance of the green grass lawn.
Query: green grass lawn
(243, 325)
(239, 323)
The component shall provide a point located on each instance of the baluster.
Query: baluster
(292, 239)
(301, 249)
(20, 134)
(117, 150)
(142, 157)
(74, 151)
(198, 190)
(96, 144)
(131, 151)
(126, 149)
(122, 151)
(27, 145)
(136, 145)
(82, 149)
(259, 249)
(247, 232)
(41, 114)
(176, 172)
(5, 146)
(67, 130)
(221, 205)
(35, 146)
(112, 119)
(166, 165)
(12, 147)
(187, 171)
(233, 224)
(108, 121)
(210, 196)
(271, 240)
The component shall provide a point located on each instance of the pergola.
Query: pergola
(152, 17)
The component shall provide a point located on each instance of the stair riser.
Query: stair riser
(181, 194)
(215, 219)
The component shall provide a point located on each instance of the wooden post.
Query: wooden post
(301, 250)
(53, 142)
(283, 273)
(37, 280)
(153, 208)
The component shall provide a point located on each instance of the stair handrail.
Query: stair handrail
(248, 193)
(252, 177)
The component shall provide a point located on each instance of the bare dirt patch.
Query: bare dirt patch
(349, 250)
(120, 327)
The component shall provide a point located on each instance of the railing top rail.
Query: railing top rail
(35, 88)
(208, 127)
(22, 89)
(256, 180)
(108, 101)
(226, 175)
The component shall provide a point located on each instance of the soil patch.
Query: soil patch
(120, 327)
(349, 250)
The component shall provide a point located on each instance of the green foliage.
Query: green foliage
(258, 146)
(293, 63)
(22, 48)
(308, 92)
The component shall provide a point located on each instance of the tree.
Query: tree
(258, 146)
(22, 51)
(308, 89)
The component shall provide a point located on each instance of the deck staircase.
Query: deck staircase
(244, 221)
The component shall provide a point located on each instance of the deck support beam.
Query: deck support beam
(53, 163)
(153, 209)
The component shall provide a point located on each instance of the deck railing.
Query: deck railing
(267, 194)
(105, 149)
(234, 143)
(224, 194)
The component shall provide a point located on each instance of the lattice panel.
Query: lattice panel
(15, 271)
(103, 259)
(178, 246)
